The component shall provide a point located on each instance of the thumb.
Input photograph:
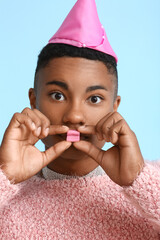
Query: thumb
(108, 160)
(55, 151)
(91, 150)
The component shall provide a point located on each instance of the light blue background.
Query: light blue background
(133, 28)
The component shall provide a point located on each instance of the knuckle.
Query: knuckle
(15, 115)
(117, 114)
(37, 122)
(27, 119)
(105, 128)
(25, 110)
(36, 111)
(117, 117)
(122, 121)
(45, 122)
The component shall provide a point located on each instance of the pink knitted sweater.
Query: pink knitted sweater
(84, 208)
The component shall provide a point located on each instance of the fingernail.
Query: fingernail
(33, 125)
(68, 145)
(65, 127)
(38, 131)
(46, 131)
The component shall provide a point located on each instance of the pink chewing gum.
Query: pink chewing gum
(73, 136)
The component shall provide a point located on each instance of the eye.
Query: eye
(95, 99)
(58, 96)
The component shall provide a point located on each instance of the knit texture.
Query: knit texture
(81, 209)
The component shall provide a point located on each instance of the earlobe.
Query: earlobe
(32, 98)
(116, 103)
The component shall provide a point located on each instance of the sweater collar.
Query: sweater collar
(49, 174)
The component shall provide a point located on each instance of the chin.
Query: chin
(73, 153)
(70, 153)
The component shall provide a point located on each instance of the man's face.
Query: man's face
(75, 92)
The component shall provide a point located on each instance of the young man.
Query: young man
(107, 192)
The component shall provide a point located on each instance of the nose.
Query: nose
(74, 115)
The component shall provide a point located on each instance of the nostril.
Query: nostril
(74, 117)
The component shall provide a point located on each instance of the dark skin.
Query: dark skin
(72, 93)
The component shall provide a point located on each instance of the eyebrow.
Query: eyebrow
(93, 88)
(65, 86)
(58, 83)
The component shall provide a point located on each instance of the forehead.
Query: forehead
(76, 71)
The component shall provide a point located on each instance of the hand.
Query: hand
(19, 158)
(123, 162)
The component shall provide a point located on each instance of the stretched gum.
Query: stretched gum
(73, 136)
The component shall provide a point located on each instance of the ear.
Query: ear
(32, 97)
(116, 103)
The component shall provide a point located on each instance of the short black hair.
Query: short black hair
(57, 50)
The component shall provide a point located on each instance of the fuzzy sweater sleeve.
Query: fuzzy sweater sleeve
(7, 189)
(144, 193)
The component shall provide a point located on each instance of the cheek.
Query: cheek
(94, 115)
(53, 113)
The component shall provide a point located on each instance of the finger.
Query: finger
(45, 123)
(18, 126)
(18, 119)
(104, 127)
(87, 129)
(100, 124)
(41, 122)
(29, 113)
(90, 150)
(108, 160)
(58, 129)
(55, 151)
(35, 119)
(120, 130)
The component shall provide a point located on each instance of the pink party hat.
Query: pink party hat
(82, 28)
